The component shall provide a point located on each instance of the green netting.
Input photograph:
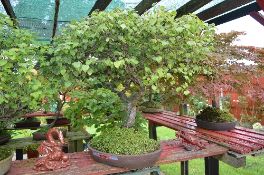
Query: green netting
(171, 4)
(37, 15)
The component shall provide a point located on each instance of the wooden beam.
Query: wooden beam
(231, 160)
(258, 17)
(9, 9)
(261, 4)
(243, 11)
(144, 6)
(55, 20)
(191, 6)
(222, 8)
(100, 5)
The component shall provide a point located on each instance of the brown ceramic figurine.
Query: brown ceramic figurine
(51, 150)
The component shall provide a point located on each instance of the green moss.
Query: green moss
(124, 141)
(5, 152)
(212, 114)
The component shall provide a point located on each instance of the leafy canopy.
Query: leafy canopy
(126, 52)
(19, 86)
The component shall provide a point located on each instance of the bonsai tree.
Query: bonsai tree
(212, 114)
(130, 54)
(20, 89)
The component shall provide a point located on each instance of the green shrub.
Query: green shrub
(124, 141)
(32, 147)
(212, 114)
(5, 152)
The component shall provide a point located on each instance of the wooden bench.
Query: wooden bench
(83, 164)
(239, 142)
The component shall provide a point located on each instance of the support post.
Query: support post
(184, 168)
(19, 154)
(211, 166)
(152, 130)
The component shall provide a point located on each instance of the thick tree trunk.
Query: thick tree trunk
(131, 114)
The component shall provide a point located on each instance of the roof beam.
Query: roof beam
(9, 9)
(144, 6)
(55, 20)
(243, 11)
(261, 4)
(100, 5)
(258, 17)
(221, 8)
(191, 6)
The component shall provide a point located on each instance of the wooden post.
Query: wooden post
(184, 168)
(55, 20)
(9, 10)
(211, 166)
(152, 130)
(19, 154)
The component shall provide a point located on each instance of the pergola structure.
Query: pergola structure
(210, 11)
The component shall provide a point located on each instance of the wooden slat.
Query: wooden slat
(100, 5)
(55, 20)
(144, 6)
(243, 11)
(9, 9)
(234, 141)
(191, 6)
(215, 135)
(258, 17)
(222, 8)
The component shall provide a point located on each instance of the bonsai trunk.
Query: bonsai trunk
(131, 114)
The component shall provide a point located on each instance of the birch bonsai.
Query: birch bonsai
(129, 54)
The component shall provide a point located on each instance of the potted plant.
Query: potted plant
(30, 122)
(125, 147)
(215, 119)
(40, 134)
(130, 57)
(6, 155)
(32, 151)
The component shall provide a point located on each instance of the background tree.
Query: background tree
(20, 89)
(130, 54)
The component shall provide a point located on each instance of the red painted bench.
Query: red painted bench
(83, 164)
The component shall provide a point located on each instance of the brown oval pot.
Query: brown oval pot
(32, 154)
(60, 121)
(27, 124)
(215, 126)
(42, 136)
(126, 161)
(5, 164)
(4, 139)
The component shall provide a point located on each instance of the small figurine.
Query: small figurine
(51, 150)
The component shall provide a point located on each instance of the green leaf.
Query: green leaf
(76, 65)
(119, 63)
(158, 59)
(3, 62)
(85, 68)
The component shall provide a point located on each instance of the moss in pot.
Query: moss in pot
(215, 119)
(125, 147)
(6, 155)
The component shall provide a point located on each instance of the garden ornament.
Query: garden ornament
(51, 150)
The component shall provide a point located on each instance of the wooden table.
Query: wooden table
(83, 164)
(239, 142)
(73, 139)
